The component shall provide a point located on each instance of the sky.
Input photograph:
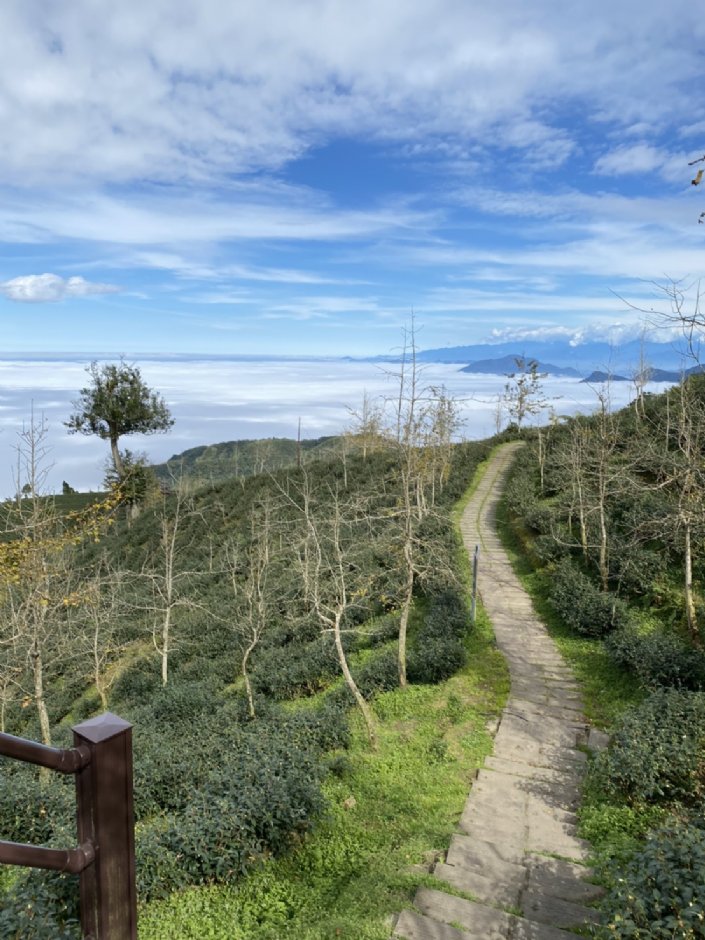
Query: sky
(296, 177)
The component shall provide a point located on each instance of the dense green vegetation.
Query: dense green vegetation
(212, 463)
(604, 516)
(219, 620)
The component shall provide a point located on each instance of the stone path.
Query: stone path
(516, 853)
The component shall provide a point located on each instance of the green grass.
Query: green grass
(388, 812)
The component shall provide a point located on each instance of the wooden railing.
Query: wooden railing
(101, 759)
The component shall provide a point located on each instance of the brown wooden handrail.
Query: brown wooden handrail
(101, 760)
(65, 760)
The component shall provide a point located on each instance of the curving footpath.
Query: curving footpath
(516, 852)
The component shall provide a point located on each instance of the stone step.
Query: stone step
(412, 926)
(488, 856)
(571, 772)
(564, 794)
(553, 732)
(497, 881)
(482, 886)
(478, 919)
(483, 922)
(511, 747)
(535, 905)
(540, 710)
(561, 879)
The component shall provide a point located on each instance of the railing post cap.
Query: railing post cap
(101, 728)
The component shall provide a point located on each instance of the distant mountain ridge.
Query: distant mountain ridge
(508, 364)
(585, 358)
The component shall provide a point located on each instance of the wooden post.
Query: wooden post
(106, 819)
(475, 561)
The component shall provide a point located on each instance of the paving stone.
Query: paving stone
(557, 866)
(485, 855)
(542, 907)
(523, 929)
(570, 776)
(483, 886)
(543, 839)
(509, 834)
(483, 921)
(534, 709)
(412, 926)
(572, 888)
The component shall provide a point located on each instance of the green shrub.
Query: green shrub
(439, 649)
(384, 629)
(184, 702)
(297, 668)
(548, 550)
(581, 605)
(657, 753)
(446, 616)
(436, 659)
(42, 906)
(379, 674)
(660, 892)
(33, 811)
(658, 659)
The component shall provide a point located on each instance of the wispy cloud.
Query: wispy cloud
(50, 288)
(195, 217)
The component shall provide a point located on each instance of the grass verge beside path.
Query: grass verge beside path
(388, 812)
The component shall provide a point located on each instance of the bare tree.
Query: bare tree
(367, 428)
(523, 393)
(249, 573)
(167, 578)
(101, 606)
(677, 461)
(335, 583)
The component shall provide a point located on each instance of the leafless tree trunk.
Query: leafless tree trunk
(168, 580)
(333, 582)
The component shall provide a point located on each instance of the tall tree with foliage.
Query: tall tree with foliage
(118, 402)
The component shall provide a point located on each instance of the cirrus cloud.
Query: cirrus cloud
(50, 288)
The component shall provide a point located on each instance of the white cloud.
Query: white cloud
(612, 332)
(178, 217)
(50, 288)
(205, 90)
(635, 158)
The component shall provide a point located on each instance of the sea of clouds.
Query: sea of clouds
(214, 401)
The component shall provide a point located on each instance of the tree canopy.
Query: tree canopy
(118, 402)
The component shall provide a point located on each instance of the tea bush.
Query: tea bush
(657, 752)
(41, 906)
(658, 659)
(660, 892)
(581, 605)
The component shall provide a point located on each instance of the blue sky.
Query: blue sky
(294, 177)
